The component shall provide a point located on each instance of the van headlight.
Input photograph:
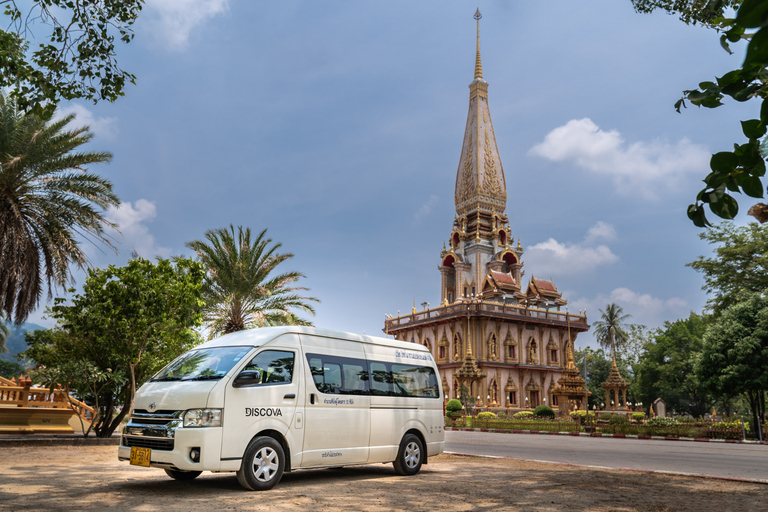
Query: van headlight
(203, 418)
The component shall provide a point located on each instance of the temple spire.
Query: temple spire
(480, 182)
(478, 63)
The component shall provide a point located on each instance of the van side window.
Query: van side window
(410, 380)
(381, 379)
(275, 366)
(338, 375)
(349, 376)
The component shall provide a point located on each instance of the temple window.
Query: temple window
(513, 397)
(554, 355)
(511, 353)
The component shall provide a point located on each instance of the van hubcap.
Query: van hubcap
(265, 464)
(412, 455)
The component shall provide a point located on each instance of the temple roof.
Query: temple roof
(504, 281)
(480, 182)
(545, 289)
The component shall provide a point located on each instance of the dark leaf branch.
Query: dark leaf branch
(741, 170)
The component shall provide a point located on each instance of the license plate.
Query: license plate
(140, 456)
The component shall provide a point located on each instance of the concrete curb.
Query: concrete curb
(610, 436)
(656, 471)
(71, 440)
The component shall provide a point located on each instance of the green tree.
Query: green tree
(76, 55)
(734, 356)
(666, 368)
(705, 12)
(740, 264)
(10, 370)
(241, 290)
(127, 324)
(47, 200)
(609, 330)
(743, 169)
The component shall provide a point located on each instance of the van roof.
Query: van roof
(260, 336)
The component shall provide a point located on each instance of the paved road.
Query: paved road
(718, 459)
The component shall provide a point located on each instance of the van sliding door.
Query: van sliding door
(337, 404)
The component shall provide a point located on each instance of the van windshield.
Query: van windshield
(202, 364)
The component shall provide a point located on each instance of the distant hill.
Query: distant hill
(15, 342)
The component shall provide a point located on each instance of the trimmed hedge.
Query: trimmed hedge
(544, 411)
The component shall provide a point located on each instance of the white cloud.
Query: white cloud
(105, 127)
(644, 168)
(601, 231)
(174, 20)
(550, 258)
(645, 308)
(425, 209)
(131, 222)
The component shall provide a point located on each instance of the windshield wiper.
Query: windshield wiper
(206, 377)
(165, 378)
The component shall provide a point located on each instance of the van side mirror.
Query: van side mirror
(247, 378)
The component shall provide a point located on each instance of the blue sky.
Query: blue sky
(338, 126)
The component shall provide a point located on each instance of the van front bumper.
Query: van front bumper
(174, 452)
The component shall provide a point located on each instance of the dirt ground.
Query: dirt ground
(91, 478)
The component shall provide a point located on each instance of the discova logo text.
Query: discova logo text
(263, 411)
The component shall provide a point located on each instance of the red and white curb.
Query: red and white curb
(590, 466)
(614, 436)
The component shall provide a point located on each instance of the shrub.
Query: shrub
(733, 424)
(453, 405)
(544, 411)
(662, 422)
(581, 416)
(618, 419)
(486, 416)
(523, 415)
(638, 416)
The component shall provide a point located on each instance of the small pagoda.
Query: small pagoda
(571, 390)
(469, 370)
(616, 384)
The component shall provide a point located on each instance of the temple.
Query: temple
(506, 344)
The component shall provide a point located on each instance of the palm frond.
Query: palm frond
(239, 290)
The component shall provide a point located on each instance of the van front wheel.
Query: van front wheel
(410, 455)
(263, 464)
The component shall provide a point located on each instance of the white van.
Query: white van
(264, 401)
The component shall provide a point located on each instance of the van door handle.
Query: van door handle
(291, 395)
(312, 398)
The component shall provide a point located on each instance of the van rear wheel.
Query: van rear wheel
(263, 464)
(410, 456)
(182, 475)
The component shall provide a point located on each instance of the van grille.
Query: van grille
(155, 443)
(153, 430)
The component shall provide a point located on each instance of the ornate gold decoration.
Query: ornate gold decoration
(492, 348)
(491, 183)
(457, 350)
(467, 184)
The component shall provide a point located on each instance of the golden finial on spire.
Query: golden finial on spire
(478, 64)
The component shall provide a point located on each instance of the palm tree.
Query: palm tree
(240, 291)
(48, 200)
(5, 331)
(609, 330)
